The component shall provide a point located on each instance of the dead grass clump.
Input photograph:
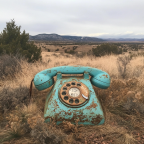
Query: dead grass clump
(131, 121)
(55, 55)
(106, 133)
(138, 71)
(23, 118)
(42, 132)
(9, 66)
(132, 83)
(124, 101)
(68, 126)
(132, 104)
(80, 54)
(21, 140)
(47, 133)
(136, 54)
(122, 63)
(17, 123)
(29, 120)
(6, 135)
(122, 94)
(117, 91)
(11, 97)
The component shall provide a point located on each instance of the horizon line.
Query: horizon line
(90, 36)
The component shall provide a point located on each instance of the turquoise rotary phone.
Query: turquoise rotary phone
(73, 97)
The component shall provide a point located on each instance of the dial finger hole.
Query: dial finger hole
(64, 93)
(78, 84)
(73, 83)
(71, 101)
(68, 84)
(64, 88)
(77, 101)
(66, 98)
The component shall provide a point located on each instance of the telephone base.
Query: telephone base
(88, 113)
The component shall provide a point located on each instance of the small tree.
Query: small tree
(12, 41)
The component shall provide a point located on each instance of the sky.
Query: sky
(93, 18)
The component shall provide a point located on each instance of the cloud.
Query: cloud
(124, 35)
(97, 34)
(129, 32)
(75, 17)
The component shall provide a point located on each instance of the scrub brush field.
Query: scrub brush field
(22, 121)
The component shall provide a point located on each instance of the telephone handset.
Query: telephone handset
(73, 97)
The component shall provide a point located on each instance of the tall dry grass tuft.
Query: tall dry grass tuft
(122, 63)
(11, 97)
(9, 66)
(29, 120)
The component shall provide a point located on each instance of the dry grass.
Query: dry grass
(123, 104)
(80, 48)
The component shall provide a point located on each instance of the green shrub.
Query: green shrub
(89, 52)
(132, 54)
(134, 47)
(12, 41)
(48, 50)
(71, 52)
(124, 50)
(106, 49)
(75, 47)
(57, 50)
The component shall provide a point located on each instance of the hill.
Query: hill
(56, 37)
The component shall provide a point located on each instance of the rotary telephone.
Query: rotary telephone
(73, 97)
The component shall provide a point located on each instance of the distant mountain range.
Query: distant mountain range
(124, 39)
(67, 38)
(56, 37)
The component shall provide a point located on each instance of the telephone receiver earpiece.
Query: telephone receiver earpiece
(101, 80)
(44, 79)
